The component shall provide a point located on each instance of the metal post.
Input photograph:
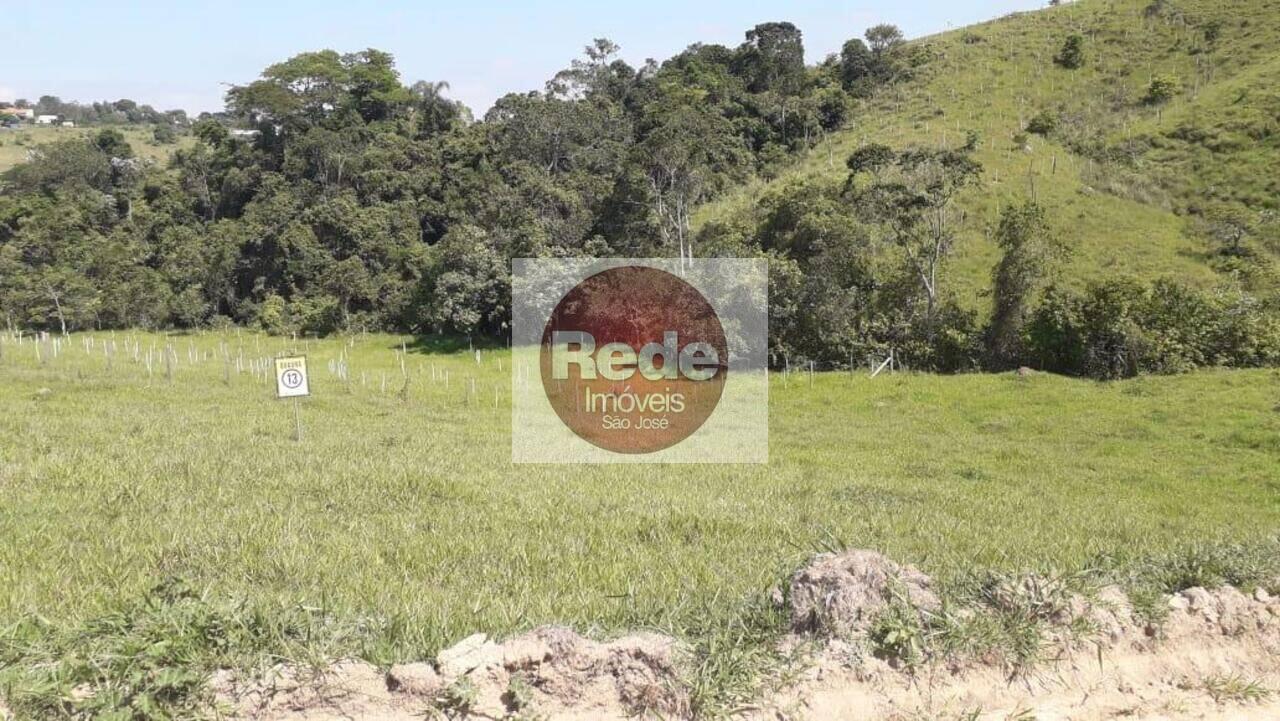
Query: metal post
(297, 421)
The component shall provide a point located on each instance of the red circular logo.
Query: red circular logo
(634, 359)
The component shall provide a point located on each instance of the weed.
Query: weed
(726, 664)
(458, 698)
(898, 633)
(1236, 689)
(519, 694)
(148, 660)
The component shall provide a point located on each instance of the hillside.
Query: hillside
(365, 203)
(16, 143)
(1117, 176)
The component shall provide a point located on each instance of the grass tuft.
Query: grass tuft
(1236, 689)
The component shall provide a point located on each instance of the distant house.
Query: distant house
(46, 120)
(242, 133)
(24, 113)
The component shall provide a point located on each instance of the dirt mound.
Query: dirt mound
(559, 671)
(841, 594)
(552, 671)
(1225, 611)
(1216, 655)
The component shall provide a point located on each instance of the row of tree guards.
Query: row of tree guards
(254, 357)
(165, 359)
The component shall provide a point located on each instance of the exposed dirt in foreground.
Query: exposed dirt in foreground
(564, 676)
(1216, 656)
(1169, 683)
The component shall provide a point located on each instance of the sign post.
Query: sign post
(292, 382)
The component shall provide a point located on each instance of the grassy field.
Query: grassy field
(400, 518)
(15, 143)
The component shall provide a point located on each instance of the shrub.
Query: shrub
(317, 315)
(1119, 328)
(1071, 56)
(1044, 123)
(1114, 342)
(1162, 89)
(164, 135)
(1212, 31)
(273, 315)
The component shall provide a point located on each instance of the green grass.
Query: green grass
(409, 515)
(1123, 216)
(16, 143)
(1236, 689)
(156, 529)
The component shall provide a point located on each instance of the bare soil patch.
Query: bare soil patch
(1214, 655)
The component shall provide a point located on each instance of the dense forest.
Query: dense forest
(360, 202)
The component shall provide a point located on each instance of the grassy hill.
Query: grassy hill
(16, 143)
(1118, 176)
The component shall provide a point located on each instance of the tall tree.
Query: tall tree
(688, 151)
(914, 202)
(1028, 249)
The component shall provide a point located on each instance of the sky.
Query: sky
(185, 55)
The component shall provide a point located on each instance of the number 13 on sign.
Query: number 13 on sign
(291, 382)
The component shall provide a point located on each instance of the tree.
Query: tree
(832, 108)
(772, 63)
(112, 144)
(856, 63)
(164, 135)
(1071, 56)
(49, 105)
(347, 280)
(772, 58)
(471, 286)
(318, 87)
(683, 157)
(863, 67)
(1227, 225)
(913, 204)
(1028, 250)
(374, 90)
(66, 165)
(600, 77)
(434, 113)
(871, 159)
(883, 39)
